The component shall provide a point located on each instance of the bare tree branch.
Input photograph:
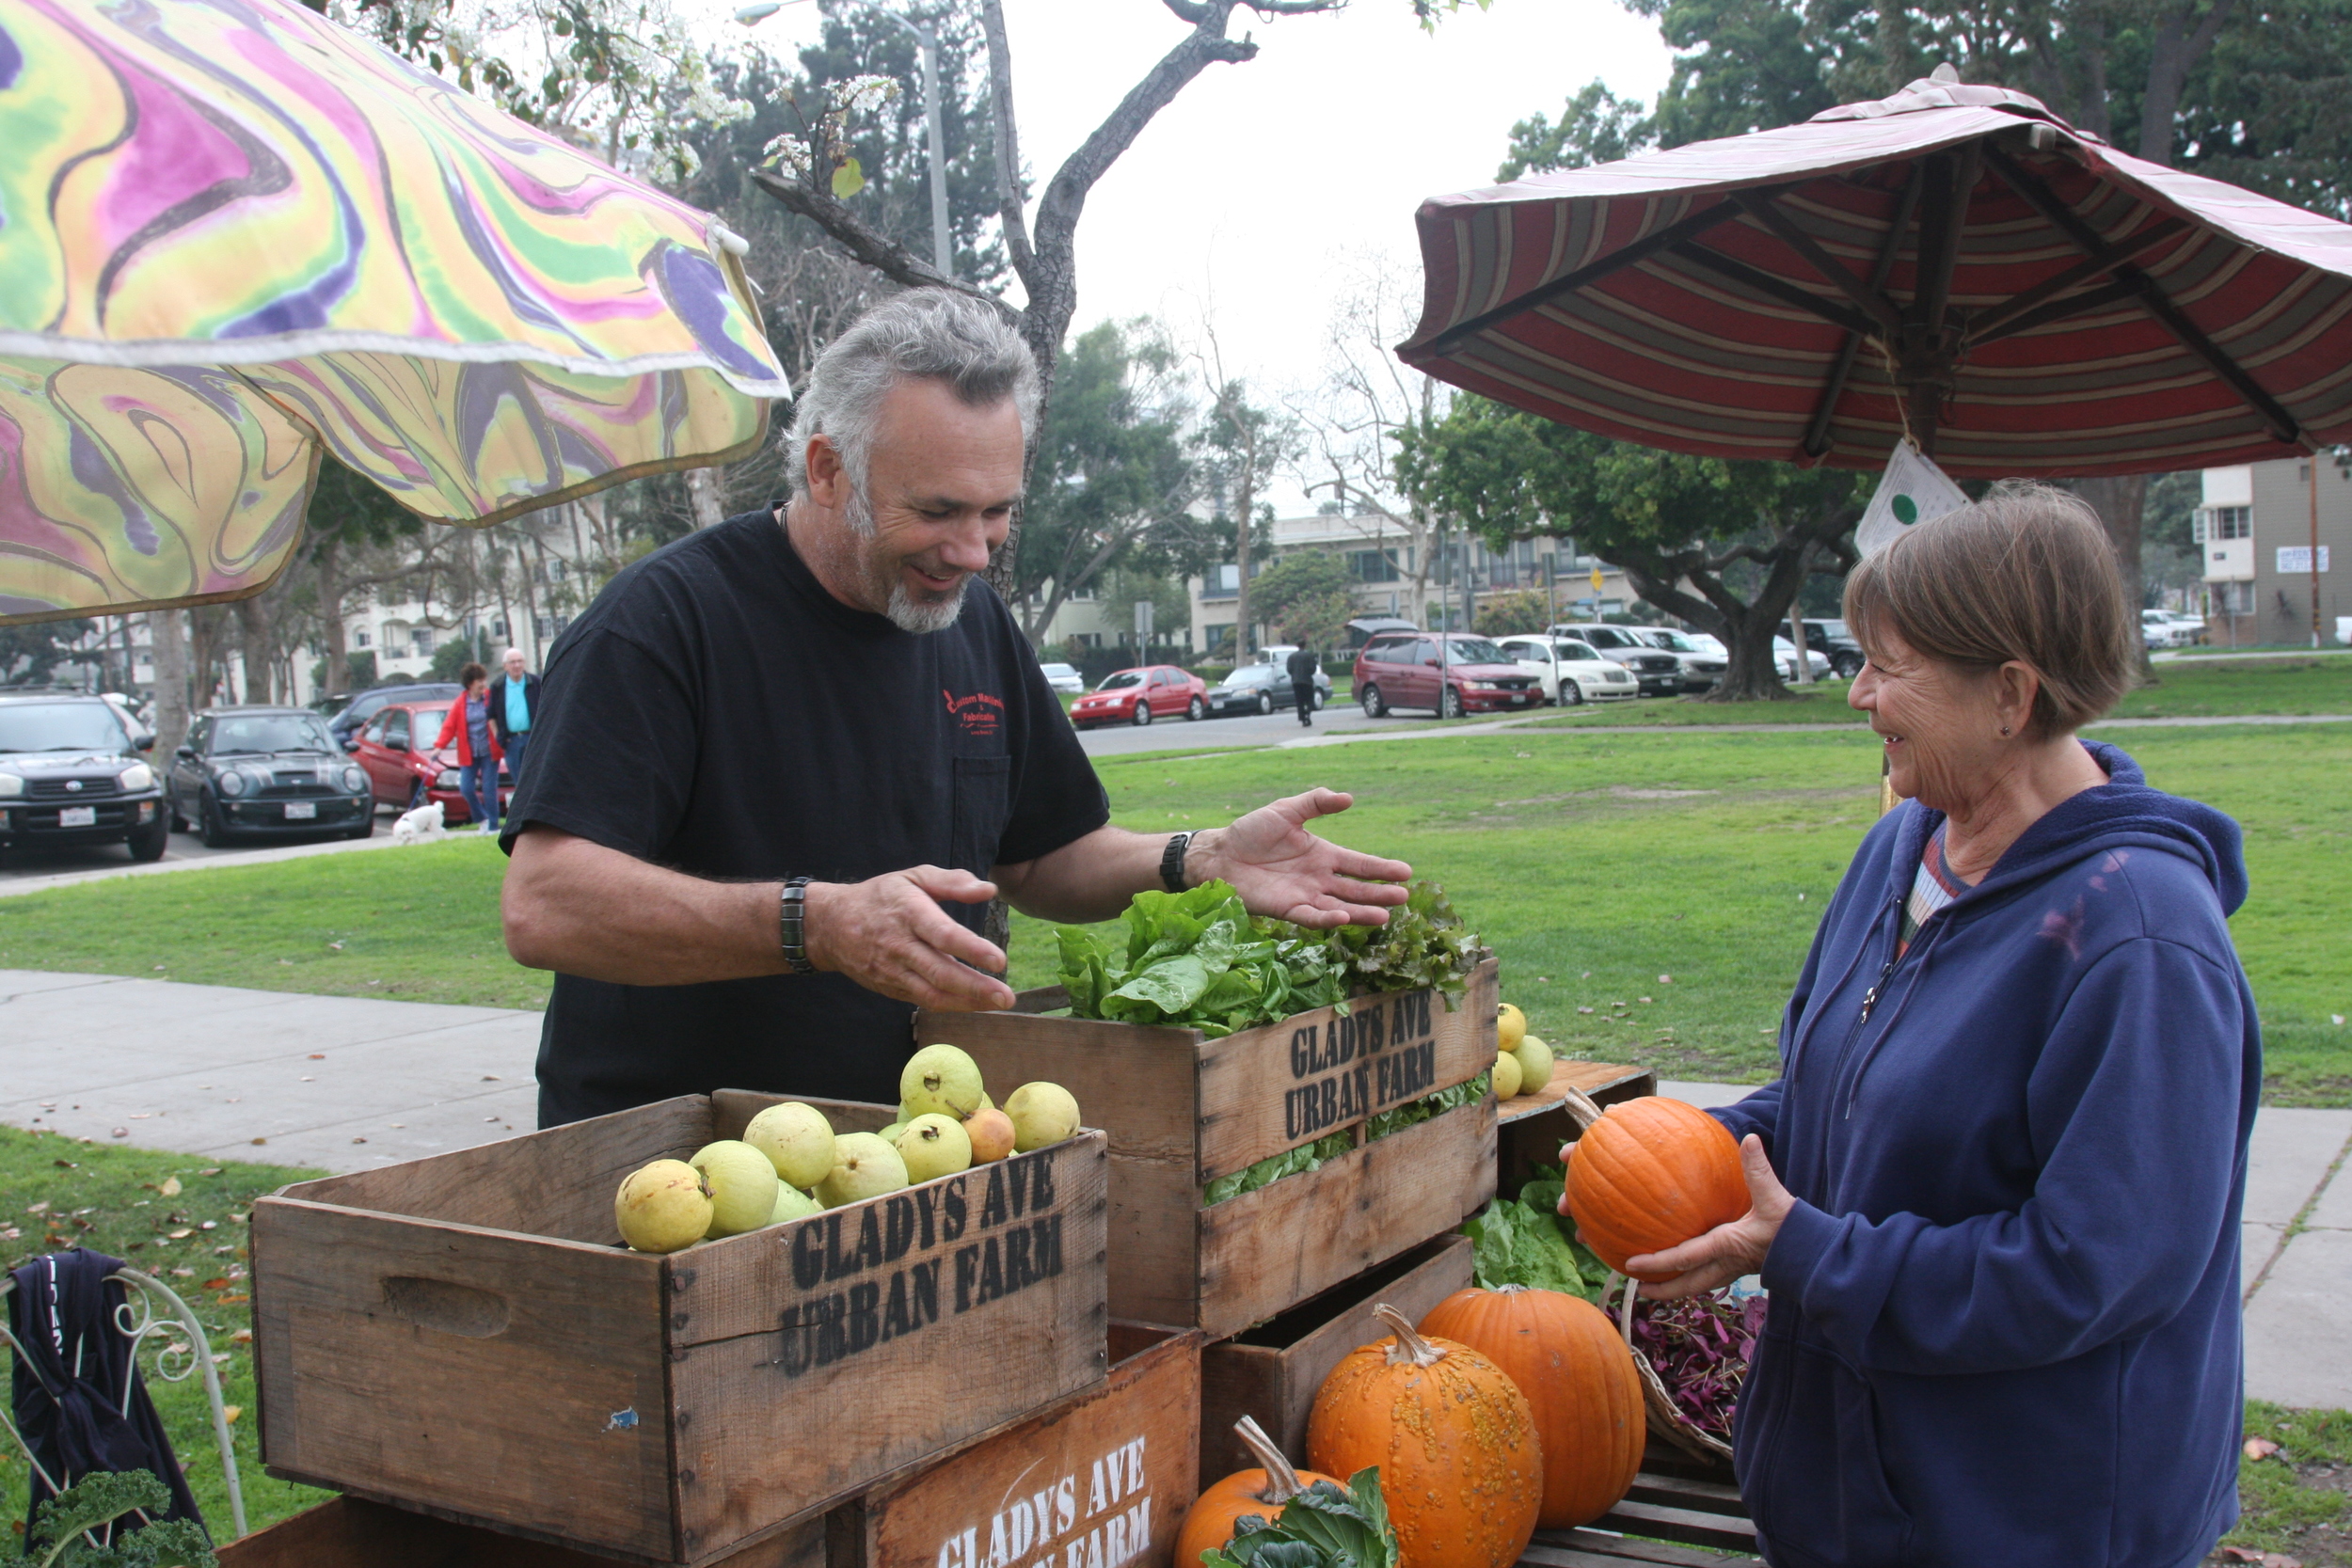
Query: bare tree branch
(1009, 204)
(877, 250)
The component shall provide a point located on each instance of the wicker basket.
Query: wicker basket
(1665, 1417)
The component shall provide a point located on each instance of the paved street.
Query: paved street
(349, 1083)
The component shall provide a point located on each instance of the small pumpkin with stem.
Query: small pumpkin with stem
(1451, 1436)
(1650, 1174)
(1209, 1524)
(1580, 1379)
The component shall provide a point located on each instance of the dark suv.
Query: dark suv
(1831, 640)
(367, 704)
(70, 776)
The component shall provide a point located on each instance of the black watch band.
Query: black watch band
(791, 927)
(1173, 863)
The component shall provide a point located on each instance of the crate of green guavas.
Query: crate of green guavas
(471, 1333)
(1251, 1169)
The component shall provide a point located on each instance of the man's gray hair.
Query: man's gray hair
(935, 334)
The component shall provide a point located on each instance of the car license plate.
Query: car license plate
(1517, 697)
(77, 816)
(296, 810)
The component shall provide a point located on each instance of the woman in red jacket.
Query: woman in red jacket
(478, 751)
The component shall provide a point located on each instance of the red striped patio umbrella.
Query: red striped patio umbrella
(1954, 261)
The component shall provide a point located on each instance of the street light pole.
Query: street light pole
(935, 119)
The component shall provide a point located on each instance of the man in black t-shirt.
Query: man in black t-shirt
(779, 767)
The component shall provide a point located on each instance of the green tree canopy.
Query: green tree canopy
(1307, 596)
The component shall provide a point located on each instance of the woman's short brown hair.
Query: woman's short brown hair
(471, 674)
(2025, 573)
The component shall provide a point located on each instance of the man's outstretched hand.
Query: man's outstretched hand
(1283, 870)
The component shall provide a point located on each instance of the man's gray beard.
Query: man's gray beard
(888, 582)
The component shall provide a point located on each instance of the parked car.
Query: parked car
(1571, 671)
(404, 772)
(1702, 667)
(2165, 629)
(1406, 670)
(1830, 640)
(1261, 689)
(1140, 695)
(2192, 627)
(70, 775)
(1786, 653)
(367, 704)
(267, 771)
(1064, 677)
(1659, 672)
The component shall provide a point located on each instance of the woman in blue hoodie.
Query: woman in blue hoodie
(1997, 1187)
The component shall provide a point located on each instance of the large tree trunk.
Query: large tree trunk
(168, 632)
(706, 492)
(208, 677)
(329, 564)
(2120, 501)
(253, 646)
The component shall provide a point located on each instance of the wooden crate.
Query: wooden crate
(1676, 1504)
(1273, 1371)
(352, 1532)
(465, 1335)
(1102, 1477)
(1531, 1128)
(1182, 1111)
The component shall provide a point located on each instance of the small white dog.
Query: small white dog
(423, 822)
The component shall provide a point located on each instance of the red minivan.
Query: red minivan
(405, 772)
(1449, 673)
(1140, 695)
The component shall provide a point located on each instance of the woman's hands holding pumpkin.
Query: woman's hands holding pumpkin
(1728, 1251)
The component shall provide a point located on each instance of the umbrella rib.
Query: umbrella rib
(2000, 323)
(1872, 302)
(1817, 429)
(1544, 294)
(2081, 305)
(1777, 288)
(2152, 297)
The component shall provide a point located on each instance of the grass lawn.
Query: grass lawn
(2298, 1502)
(57, 1193)
(1593, 864)
(2211, 689)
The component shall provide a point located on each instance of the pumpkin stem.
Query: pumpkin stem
(1580, 1107)
(1281, 1481)
(1409, 1345)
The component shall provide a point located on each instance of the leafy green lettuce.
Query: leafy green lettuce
(1322, 1526)
(1524, 1242)
(1381, 1123)
(1290, 1162)
(1423, 945)
(1198, 959)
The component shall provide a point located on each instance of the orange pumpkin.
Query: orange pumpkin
(1580, 1381)
(1453, 1438)
(1263, 1492)
(1650, 1174)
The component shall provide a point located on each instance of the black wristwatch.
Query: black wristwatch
(791, 929)
(1173, 863)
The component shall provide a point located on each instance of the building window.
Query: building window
(1218, 635)
(2214, 524)
(1222, 583)
(363, 639)
(421, 640)
(498, 627)
(1372, 565)
(2232, 598)
(1081, 595)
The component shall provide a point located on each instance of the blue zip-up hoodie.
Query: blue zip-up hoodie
(2004, 1321)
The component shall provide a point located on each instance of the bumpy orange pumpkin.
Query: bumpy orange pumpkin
(1263, 1492)
(1578, 1379)
(1650, 1174)
(1454, 1440)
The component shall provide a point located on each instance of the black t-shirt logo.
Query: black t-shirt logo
(981, 714)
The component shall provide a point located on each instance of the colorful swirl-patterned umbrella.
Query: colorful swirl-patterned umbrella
(235, 236)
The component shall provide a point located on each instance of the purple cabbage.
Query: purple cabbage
(1700, 1348)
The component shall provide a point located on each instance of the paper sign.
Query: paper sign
(1911, 490)
(2295, 560)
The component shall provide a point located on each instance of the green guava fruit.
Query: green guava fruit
(662, 1207)
(743, 1183)
(863, 1167)
(1041, 1114)
(797, 1139)
(940, 1079)
(934, 1146)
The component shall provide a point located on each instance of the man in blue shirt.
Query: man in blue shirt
(513, 703)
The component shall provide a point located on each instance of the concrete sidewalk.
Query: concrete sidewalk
(350, 1084)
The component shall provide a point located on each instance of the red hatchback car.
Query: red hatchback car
(405, 772)
(1141, 695)
(1467, 675)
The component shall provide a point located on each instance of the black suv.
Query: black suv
(1831, 640)
(70, 776)
(352, 720)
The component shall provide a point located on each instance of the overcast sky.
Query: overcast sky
(1240, 196)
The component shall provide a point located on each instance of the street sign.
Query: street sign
(1597, 579)
(1143, 621)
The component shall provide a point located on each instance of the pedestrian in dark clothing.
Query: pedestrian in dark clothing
(470, 725)
(1302, 666)
(513, 703)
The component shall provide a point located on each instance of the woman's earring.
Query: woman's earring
(2005, 732)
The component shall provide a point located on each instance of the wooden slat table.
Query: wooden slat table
(1675, 1516)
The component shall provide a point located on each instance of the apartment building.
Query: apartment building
(2253, 529)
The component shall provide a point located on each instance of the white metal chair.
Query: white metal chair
(151, 1315)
